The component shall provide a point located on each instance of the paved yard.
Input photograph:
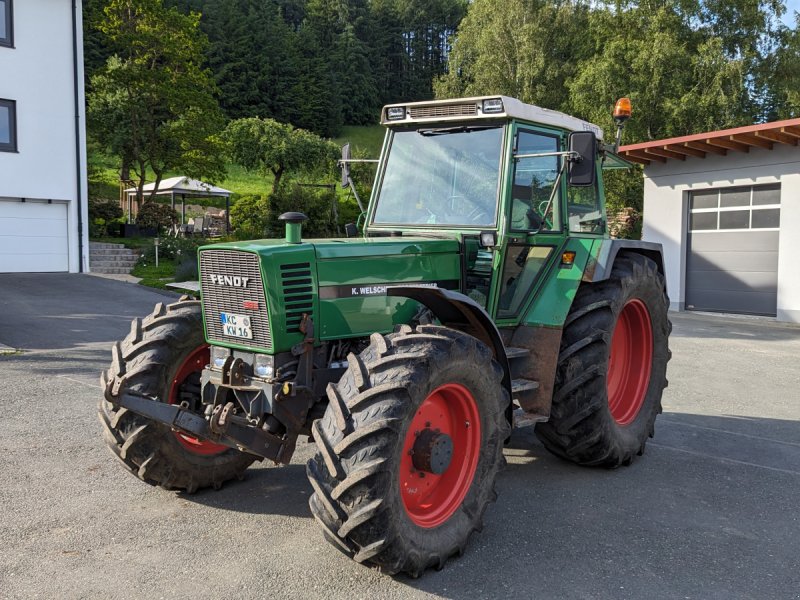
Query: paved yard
(710, 511)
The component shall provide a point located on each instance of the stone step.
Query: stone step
(115, 264)
(109, 270)
(94, 256)
(93, 245)
(113, 251)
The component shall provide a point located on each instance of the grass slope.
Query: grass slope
(104, 168)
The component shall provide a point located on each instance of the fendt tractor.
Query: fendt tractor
(480, 287)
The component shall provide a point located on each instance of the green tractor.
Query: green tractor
(482, 289)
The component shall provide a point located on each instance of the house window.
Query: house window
(8, 126)
(6, 24)
(736, 208)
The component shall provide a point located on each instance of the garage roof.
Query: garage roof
(740, 139)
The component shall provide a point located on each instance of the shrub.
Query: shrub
(102, 214)
(155, 215)
(250, 217)
(315, 203)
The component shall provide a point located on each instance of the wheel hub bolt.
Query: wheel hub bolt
(433, 452)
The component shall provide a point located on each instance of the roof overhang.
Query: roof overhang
(740, 139)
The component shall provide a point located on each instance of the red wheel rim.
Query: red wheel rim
(194, 363)
(431, 499)
(630, 362)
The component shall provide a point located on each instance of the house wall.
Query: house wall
(666, 194)
(38, 73)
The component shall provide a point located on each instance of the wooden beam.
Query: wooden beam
(704, 147)
(636, 159)
(663, 151)
(777, 136)
(728, 144)
(687, 149)
(752, 140)
(792, 130)
(645, 155)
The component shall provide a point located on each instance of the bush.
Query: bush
(315, 203)
(250, 217)
(172, 249)
(186, 269)
(156, 216)
(102, 214)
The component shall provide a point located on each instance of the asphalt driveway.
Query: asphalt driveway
(710, 511)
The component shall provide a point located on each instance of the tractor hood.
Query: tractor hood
(340, 283)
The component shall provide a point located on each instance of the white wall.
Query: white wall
(666, 188)
(38, 74)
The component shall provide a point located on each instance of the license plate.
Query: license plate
(238, 326)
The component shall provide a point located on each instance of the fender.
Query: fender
(454, 309)
(599, 268)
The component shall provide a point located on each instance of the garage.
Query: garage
(725, 206)
(732, 250)
(33, 236)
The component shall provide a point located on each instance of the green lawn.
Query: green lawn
(104, 179)
(104, 168)
(368, 138)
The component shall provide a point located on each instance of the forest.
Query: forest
(198, 72)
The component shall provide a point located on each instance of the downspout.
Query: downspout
(78, 172)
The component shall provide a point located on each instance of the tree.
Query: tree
(153, 103)
(277, 149)
(528, 50)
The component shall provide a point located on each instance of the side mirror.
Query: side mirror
(345, 165)
(582, 170)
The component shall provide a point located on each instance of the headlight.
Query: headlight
(493, 105)
(263, 366)
(218, 356)
(396, 113)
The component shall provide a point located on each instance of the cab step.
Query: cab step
(520, 386)
(513, 353)
(526, 419)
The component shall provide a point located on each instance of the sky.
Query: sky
(791, 6)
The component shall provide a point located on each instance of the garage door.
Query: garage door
(33, 237)
(732, 254)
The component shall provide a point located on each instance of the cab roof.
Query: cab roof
(460, 109)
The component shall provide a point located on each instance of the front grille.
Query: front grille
(443, 110)
(224, 298)
(297, 298)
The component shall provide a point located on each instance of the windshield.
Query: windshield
(441, 176)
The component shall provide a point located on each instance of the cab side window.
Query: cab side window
(584, 212)
(534, 177)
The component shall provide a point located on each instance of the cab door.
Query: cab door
(535, 231)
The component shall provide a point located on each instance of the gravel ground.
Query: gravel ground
(710, 511)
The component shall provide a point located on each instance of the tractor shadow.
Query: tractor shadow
(708, 511)
(266, 490)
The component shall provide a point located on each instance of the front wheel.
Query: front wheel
(162, 357)
(611, 367)
(409, 449)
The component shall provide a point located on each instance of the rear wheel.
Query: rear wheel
(611, 367)
(409, 449)
(163, 357)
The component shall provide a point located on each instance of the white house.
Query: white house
(726, 207)
(43, 200)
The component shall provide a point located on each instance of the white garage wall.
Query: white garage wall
(666, 190)
(38, 74)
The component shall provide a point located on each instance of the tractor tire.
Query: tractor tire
(162, 357)
(611, 367)
(385, 435)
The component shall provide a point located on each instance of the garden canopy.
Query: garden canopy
(183, 187)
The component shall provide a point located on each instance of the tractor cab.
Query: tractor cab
(511, 181)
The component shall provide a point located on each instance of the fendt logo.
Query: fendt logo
(229, 280)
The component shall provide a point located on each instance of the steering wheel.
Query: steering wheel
(477, 214)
